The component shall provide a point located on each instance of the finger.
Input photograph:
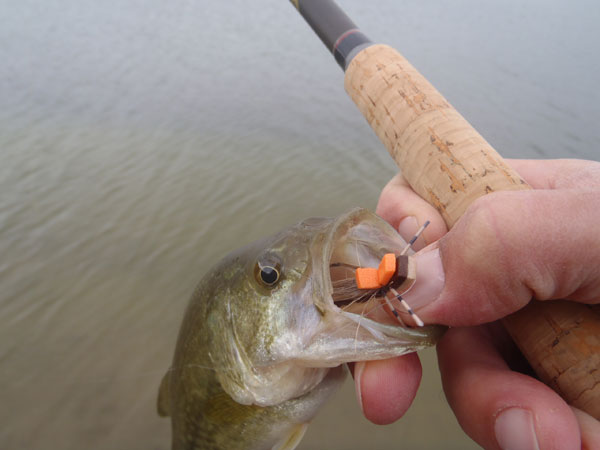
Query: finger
(589, 429)
(507, 248)
(496, 407)
(558, 173)
(400, 206)
(385, 389)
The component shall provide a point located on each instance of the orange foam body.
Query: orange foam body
(371, 278)
(367, 278)
(386, 269)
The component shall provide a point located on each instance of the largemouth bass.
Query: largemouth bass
(267, 330)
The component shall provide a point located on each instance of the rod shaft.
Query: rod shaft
(336, 30)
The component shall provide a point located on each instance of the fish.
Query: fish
(268, 330)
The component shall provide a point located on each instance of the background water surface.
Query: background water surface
(142, 140)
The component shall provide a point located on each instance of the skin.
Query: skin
(542, 243)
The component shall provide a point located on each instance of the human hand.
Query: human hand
(507, 248)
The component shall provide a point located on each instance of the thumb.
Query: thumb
(506, 249)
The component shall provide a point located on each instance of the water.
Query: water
(140, 141)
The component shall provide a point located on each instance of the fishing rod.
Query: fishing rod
(449, 164)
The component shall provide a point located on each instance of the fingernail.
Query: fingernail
(408, 227)
(515, 430)
(429, 281)
(359, 367)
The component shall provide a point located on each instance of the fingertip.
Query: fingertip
(386, 388)
(402, 208)
(407, 227)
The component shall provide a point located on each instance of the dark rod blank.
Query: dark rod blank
(335, 29)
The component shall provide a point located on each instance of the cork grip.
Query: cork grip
(450, 165)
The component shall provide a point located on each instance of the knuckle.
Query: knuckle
(489, 254)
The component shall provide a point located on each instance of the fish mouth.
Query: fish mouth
(360, 238)
(355, 324)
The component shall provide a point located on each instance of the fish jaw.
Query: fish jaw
(349, 337)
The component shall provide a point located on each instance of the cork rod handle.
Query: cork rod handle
(449, 164)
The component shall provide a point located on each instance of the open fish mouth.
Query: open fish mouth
(359, 240)
(362, 317)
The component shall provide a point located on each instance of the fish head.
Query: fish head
(276, 330)
(266, 309)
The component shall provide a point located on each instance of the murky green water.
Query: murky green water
(142, 140)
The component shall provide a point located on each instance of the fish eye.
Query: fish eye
(268, 273)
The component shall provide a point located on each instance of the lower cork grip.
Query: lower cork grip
(449, 164)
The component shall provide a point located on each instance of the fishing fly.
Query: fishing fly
(394, 277)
